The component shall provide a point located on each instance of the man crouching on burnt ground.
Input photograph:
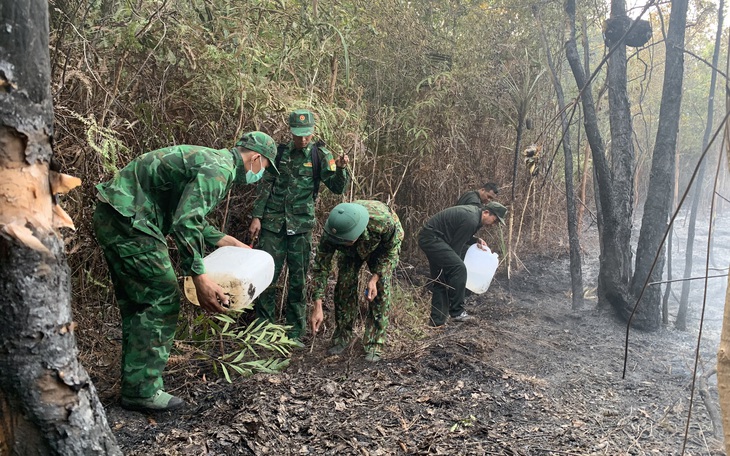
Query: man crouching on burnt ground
(359, 232)
(169, 191)
(442, 239)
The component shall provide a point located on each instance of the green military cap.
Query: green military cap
(301, 122)
(346, 223)
(496, 209)
(258, 141)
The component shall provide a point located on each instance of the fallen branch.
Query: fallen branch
(710, 405)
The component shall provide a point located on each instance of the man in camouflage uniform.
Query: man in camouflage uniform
(443, 235)
(360, 232)
(483, 195)
(283, 217)
(166, 192)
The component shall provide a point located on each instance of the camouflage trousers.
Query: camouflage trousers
(347, 299)
(295, 250)
(448, 274)
(148, 296)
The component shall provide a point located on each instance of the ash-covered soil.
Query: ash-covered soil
(529, 376)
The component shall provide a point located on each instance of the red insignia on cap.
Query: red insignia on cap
(302, 117)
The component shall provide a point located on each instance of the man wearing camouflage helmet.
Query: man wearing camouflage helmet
(442, 239)
(359, 232)
(166, 192)
(283, 215)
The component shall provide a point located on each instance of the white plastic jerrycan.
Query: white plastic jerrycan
(480, 268)
(242, 273)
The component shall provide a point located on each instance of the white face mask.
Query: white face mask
(252, 177)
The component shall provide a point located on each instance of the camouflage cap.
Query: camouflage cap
(301, 122)
(496, 209)
(346, 223)
(258, 141)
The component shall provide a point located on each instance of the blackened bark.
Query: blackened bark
(622, 151)
(48, 404)
(659, 195)
(576, 274)
(681, 321)
(612, 285)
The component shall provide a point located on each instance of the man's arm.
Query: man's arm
(334, 172)
(321, 268)
(320, 272)
(189, 227)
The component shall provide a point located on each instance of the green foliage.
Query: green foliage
(103, 141)
(232, 348)
(463, 423)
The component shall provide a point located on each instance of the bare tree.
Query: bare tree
(681, 321)
(48, 404)
(659, 195)
(576, 275)
(613, 273)
(623, 162)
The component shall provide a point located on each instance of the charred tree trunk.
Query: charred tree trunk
(615, 288)
(612, 285)
(659, 195)
(681, 321)
(576, 274)
(622, 146)
(48, 405)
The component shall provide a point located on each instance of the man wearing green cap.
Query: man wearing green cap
(166, 192)
(283, 215)
(442, 239)
(359, 232)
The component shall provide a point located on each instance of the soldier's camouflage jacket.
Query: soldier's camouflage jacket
(171, 190)
(286, 200)
(379, 245)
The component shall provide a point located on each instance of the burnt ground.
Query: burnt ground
(529, 376)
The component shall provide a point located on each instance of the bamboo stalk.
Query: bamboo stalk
(522, 215)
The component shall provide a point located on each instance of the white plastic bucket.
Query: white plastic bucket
(242, 273)
(480, 268)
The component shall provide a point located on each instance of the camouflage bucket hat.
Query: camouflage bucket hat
(301, 122)
(346, 223)
(258, 141)
(497, 209)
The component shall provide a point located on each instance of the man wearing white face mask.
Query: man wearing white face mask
(283, 215)
(166, 192)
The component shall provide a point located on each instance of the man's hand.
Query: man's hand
(372, 290)
(317, 316)
(254, 229)
(230, 241)
(210, 294)
(342, 161)
(481, 245)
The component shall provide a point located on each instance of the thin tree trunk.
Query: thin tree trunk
(658, 199)
(48, 405)
(518, 142)
(723, 353)
(723, 369)
(583, 182)
(522, 214)
(576, 275)
(611, 279)
(681, 321)
(670, 255)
